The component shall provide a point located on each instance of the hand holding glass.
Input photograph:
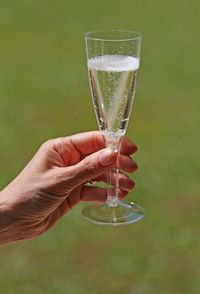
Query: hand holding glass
(113, 59)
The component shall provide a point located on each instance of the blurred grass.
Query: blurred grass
(44, 93)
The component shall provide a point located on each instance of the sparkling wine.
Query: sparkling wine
(113, 61)
(113, 83)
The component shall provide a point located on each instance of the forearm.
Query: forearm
(8, 225)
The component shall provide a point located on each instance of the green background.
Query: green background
(44, 93)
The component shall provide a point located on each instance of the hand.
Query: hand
(55, 180)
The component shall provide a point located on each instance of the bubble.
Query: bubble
(114, 63)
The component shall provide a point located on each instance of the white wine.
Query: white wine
(113, 61)
(113, 83)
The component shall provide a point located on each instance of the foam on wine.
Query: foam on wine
(115, 63)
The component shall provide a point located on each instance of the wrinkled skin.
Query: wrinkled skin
(56, 179)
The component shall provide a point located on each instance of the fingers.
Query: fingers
(126, 163)
(98, 194)
(125, 183)
(88, 142)
(93, 141)
(127, 147)
(90, 167)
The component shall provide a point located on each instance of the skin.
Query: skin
(56, 179)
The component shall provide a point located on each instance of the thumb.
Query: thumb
(90, 167)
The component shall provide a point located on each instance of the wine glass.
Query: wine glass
(113, 59)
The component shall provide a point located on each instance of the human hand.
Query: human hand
(55, 180)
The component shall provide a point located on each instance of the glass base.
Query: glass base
(123, 214)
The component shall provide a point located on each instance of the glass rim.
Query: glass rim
(88, 35)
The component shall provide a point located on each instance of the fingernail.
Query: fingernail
(107, 157)
(131, 184)
(132, 166)
(134, 149)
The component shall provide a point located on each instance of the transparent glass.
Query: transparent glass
(113, 59)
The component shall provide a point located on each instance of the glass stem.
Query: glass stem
(113, 192)
(113, 188)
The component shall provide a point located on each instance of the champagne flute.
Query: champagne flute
(113, 59)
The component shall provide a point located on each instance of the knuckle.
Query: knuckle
(48, 143)
(89, 166)
(97, 141)
(52, 143)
